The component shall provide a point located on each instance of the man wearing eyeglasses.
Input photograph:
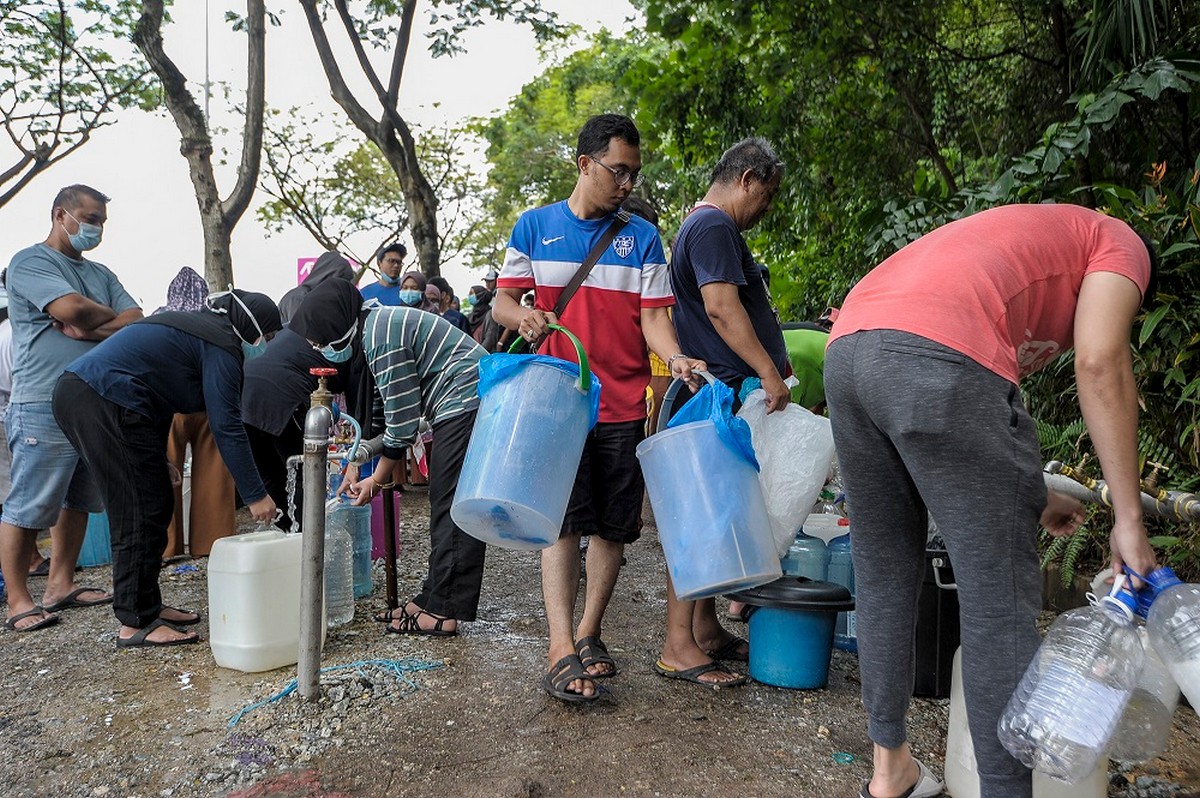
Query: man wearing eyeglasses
(619, 310)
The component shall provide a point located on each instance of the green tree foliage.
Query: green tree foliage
(66, 68)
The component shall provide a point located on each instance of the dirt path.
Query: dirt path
(79, 718)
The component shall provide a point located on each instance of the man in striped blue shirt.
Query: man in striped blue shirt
(422, 366)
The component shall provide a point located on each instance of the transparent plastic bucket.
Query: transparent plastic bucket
(520, 465)
(712, 521)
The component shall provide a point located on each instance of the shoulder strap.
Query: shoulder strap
(586, 267)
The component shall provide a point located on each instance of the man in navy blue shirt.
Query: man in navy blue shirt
(723, 315)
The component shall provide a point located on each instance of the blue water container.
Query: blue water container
(841, 571)
(97, 542)
(791, 630)
(517, 475)
(808, 557)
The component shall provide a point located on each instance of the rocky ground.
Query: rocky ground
(457, 717)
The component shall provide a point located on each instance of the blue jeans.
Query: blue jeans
(47, 473)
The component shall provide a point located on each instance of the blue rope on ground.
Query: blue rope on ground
(398, 668)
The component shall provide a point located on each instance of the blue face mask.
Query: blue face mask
(471, 300)
(251, 351)
(333, 354)
(87, 237)
(389, 281)
(411, 297)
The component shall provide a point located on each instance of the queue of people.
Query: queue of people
(921, 371)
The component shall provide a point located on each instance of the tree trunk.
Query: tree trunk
(390, 133)
(217, 218)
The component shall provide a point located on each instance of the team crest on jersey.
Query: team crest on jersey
(623, 245)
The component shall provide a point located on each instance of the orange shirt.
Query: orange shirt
(1000, 286)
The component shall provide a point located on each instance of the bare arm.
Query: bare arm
(1104, 316)
(660, 336)
(729, 318)
(76, 310)
(108, 328)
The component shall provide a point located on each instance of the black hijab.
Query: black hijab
(224, 321)
(327, 313)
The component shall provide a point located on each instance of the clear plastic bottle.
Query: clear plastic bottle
(357, 523)
(339, 576)
(1063, 714)
(1174, 627)
(841, 571)
(1146, 725)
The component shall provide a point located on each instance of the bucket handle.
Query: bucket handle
(938, 564)
(669, 396)
(585, 374)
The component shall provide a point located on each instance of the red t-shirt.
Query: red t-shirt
(1000, 286)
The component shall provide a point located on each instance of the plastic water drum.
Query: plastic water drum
(791, 630)
(254, 600)
(712, 521)
(534, 415)
(97, 542)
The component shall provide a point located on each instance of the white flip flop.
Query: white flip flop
(926, 787)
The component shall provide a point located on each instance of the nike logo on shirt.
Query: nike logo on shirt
(548, 241)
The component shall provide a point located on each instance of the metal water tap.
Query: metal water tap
(322, 395)
(1150, 483)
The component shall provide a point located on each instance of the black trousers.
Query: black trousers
(455, 574)
(127, 454)
(270, 454)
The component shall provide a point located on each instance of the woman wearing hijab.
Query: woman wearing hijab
(330, 266)
(484, 328)
(212, 494)
(422, 365)
(413, 288)
(115, 405)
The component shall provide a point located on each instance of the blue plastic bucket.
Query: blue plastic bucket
(534, 416)
(791, 631)
(97, 542)
(712, 521)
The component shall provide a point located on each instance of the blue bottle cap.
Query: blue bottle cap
(1162, 578)
(1123, 600)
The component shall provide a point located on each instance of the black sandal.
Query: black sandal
(558, 679)
(139, 639)
(592, 651)
(410, 625)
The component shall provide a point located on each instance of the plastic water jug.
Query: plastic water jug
(962, 774)
(1146, 725)
(841, 571)
(356, 521)
(254, 600)
(1063, 714)
(712, 521)
(826, 526)
(534, 416)
(1174, 626)
(807, 556)
(339, 576)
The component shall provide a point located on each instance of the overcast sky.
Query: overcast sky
(154, 226)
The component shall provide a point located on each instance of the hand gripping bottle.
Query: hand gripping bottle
(1173, 624)
(1066, 709)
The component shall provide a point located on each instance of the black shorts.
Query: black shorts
(607, 498)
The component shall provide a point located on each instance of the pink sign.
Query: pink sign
(304, 267)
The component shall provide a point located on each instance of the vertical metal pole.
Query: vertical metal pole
(312, 585)
(389, 546)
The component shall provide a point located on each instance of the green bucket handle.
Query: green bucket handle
(584, 383)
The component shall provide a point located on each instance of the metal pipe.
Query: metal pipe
(389, 546)
(367, 450)
(1178, 506)
(312, 585)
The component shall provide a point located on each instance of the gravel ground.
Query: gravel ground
(456, 717)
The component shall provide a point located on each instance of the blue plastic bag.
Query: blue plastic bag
(714, 402)
(498, 367)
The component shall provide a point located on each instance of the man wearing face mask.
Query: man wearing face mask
(387, 288)
(61, 305)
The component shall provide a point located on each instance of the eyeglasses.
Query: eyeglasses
(622, 176)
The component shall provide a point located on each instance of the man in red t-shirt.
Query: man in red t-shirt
(921, 378)
(619, 310)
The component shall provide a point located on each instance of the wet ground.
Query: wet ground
(456, 717)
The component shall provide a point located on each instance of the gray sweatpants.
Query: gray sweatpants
(922, 429)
